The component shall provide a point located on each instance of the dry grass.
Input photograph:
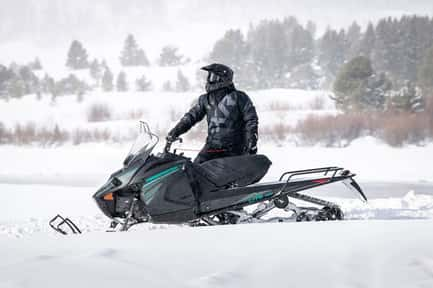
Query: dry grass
(276, 133)
(396, 129)
(28, 134)
(80, 136)
(136, 114)
(281, 106)
(99, 112)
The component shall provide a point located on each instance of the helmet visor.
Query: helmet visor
(213, 78)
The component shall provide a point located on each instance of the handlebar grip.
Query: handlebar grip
(170, 142)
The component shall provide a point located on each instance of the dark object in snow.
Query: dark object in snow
(169, 188)
(58, 222)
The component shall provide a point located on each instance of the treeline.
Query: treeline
(19, 80)
(288, 54)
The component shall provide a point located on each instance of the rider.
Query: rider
(231, 117)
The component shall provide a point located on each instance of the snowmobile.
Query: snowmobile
(169, 188)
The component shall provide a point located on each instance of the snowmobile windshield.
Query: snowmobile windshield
(143, 145)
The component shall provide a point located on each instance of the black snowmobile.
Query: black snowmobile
(169, 188)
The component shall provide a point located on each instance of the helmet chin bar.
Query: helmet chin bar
(218, 85)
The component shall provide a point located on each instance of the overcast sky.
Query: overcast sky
(193, 25)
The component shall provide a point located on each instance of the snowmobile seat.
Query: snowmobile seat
(240, 170)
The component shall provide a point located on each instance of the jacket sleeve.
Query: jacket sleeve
(194, 115)
(251, 121)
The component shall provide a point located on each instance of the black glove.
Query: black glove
(252, 148)
(171, 137)
(252, 144)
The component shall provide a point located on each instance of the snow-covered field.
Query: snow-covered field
(338, 254)
(386, 243)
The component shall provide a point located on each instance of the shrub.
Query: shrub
(99, 112)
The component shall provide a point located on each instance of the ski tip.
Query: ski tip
(358, 188)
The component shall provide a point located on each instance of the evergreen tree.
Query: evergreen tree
(166, 86)
(16, 88)
(332, 47)
(77, 56)
(232, 50)
(169, 56)
(143, 84)
(425, 71)
(131, 54)
(353, 41)
(30, 80)
(182, 83)
(142, 58)
(95, 71)
(36, 64)
(107, 80)
(368, 41)
(357, 87)
(121, 83)
(408, 99)
(311, 28)
(71, 85)
(5, 76)
(268, 44)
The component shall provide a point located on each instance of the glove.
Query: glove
(252, 149)
(171, 137)
(252, 144)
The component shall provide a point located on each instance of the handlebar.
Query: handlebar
(169, 143)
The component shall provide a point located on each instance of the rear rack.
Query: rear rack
(329, 174)
(324, 171)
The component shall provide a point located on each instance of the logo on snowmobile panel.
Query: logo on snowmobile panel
(258, 197)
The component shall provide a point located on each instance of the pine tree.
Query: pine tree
(142, 58)
(232, 50)
(95, 71)
(332, 49)
(169, 56)
(143, 84)
(368, 41)
(77, 56)
(425, 71)
(357, 87)
(166, 86)
(353, 41)
(16, 88)
(121, 83)
(182, 83)
(36, 64)
(107, 81)
(131, 54)
(408, 99)
(5, 76)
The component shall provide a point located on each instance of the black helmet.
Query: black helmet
(219, 76)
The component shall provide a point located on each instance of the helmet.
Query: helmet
(219, 76)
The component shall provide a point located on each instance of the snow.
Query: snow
(384, 243)
(339, 254)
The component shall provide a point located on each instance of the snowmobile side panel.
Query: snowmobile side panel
(168, 195)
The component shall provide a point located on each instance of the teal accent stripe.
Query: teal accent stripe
(162, 174)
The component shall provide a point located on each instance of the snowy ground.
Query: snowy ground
(386, 243)
(339, 254)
